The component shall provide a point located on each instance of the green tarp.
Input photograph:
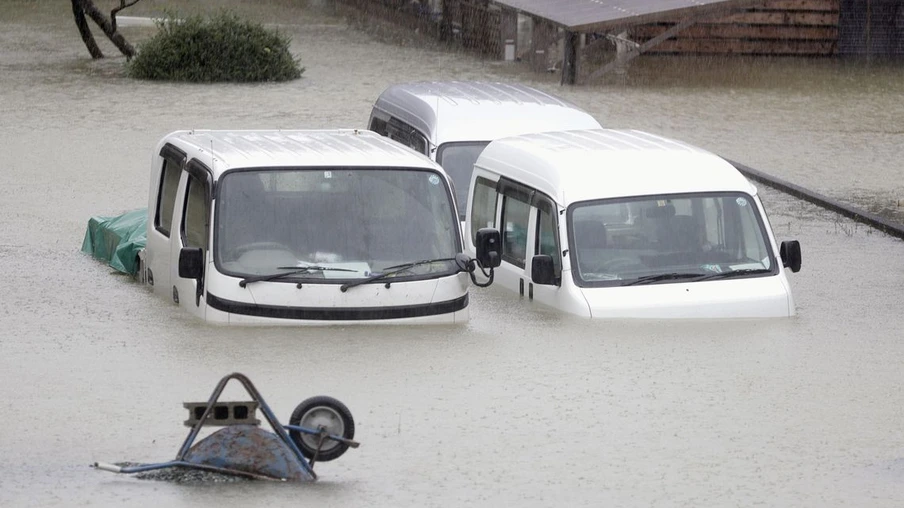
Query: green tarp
(117, 240)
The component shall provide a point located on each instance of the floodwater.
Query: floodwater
(521, 406)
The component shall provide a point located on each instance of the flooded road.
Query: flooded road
(521, 406)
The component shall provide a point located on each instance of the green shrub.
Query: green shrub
(222, 48)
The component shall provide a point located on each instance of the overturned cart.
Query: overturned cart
(320, 429)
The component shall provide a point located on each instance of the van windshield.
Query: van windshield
(665, 239)
(458, 159)
(334, 223)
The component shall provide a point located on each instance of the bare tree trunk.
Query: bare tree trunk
(80, 8)
(122, 5)
(85, 30)
(115, 37)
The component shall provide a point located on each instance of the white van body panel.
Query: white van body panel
(188, 297)
(442, 298)
(580, 166)
(157, 251)
(762, 297)
(221, 151)
(451, 121)
(577, 166)
(317, 296)
(452, 111)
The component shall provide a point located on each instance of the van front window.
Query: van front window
(341, 223)
(672, 238)
(458, 159)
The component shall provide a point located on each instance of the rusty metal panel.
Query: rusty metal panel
(248, 449)
(602, 15)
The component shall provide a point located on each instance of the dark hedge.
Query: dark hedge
(220, 48)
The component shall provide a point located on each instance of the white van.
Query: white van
(452, 122)
(302, 227)
(625, 224)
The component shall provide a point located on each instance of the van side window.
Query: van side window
(483, 209)
(418, 142)
(547, 240)
(515, 215)
(195, 218)
(407, 135)
(378, 125)
(166, 196)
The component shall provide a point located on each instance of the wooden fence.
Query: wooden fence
(779, 27)
(472, 24)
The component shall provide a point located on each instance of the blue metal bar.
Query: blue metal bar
(304, 430)
(179, 463)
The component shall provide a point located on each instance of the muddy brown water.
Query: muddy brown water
(519, 407)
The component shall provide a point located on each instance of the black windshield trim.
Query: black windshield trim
(389, 271)
(334, 314)
(743, 273)
(662, 278)
(305, 279)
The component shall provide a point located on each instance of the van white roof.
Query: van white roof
(605, 163)
(293, 148)
(476, 111)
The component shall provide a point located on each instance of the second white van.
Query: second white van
(453, 121)
(625, 224)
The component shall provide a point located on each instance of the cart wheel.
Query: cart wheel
(328, 413)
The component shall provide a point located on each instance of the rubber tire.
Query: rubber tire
(344, 414)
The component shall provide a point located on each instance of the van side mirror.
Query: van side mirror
(542, 270)
(487, 242)
(790, 254)
(191, 263)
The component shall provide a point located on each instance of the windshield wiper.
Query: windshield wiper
(392, 270)
(295, 270)
(647, 279)
(735, 273)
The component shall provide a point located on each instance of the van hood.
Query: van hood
(759, 297)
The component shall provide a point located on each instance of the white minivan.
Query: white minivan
(625, 224)
(453, 121)
(303, 227)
